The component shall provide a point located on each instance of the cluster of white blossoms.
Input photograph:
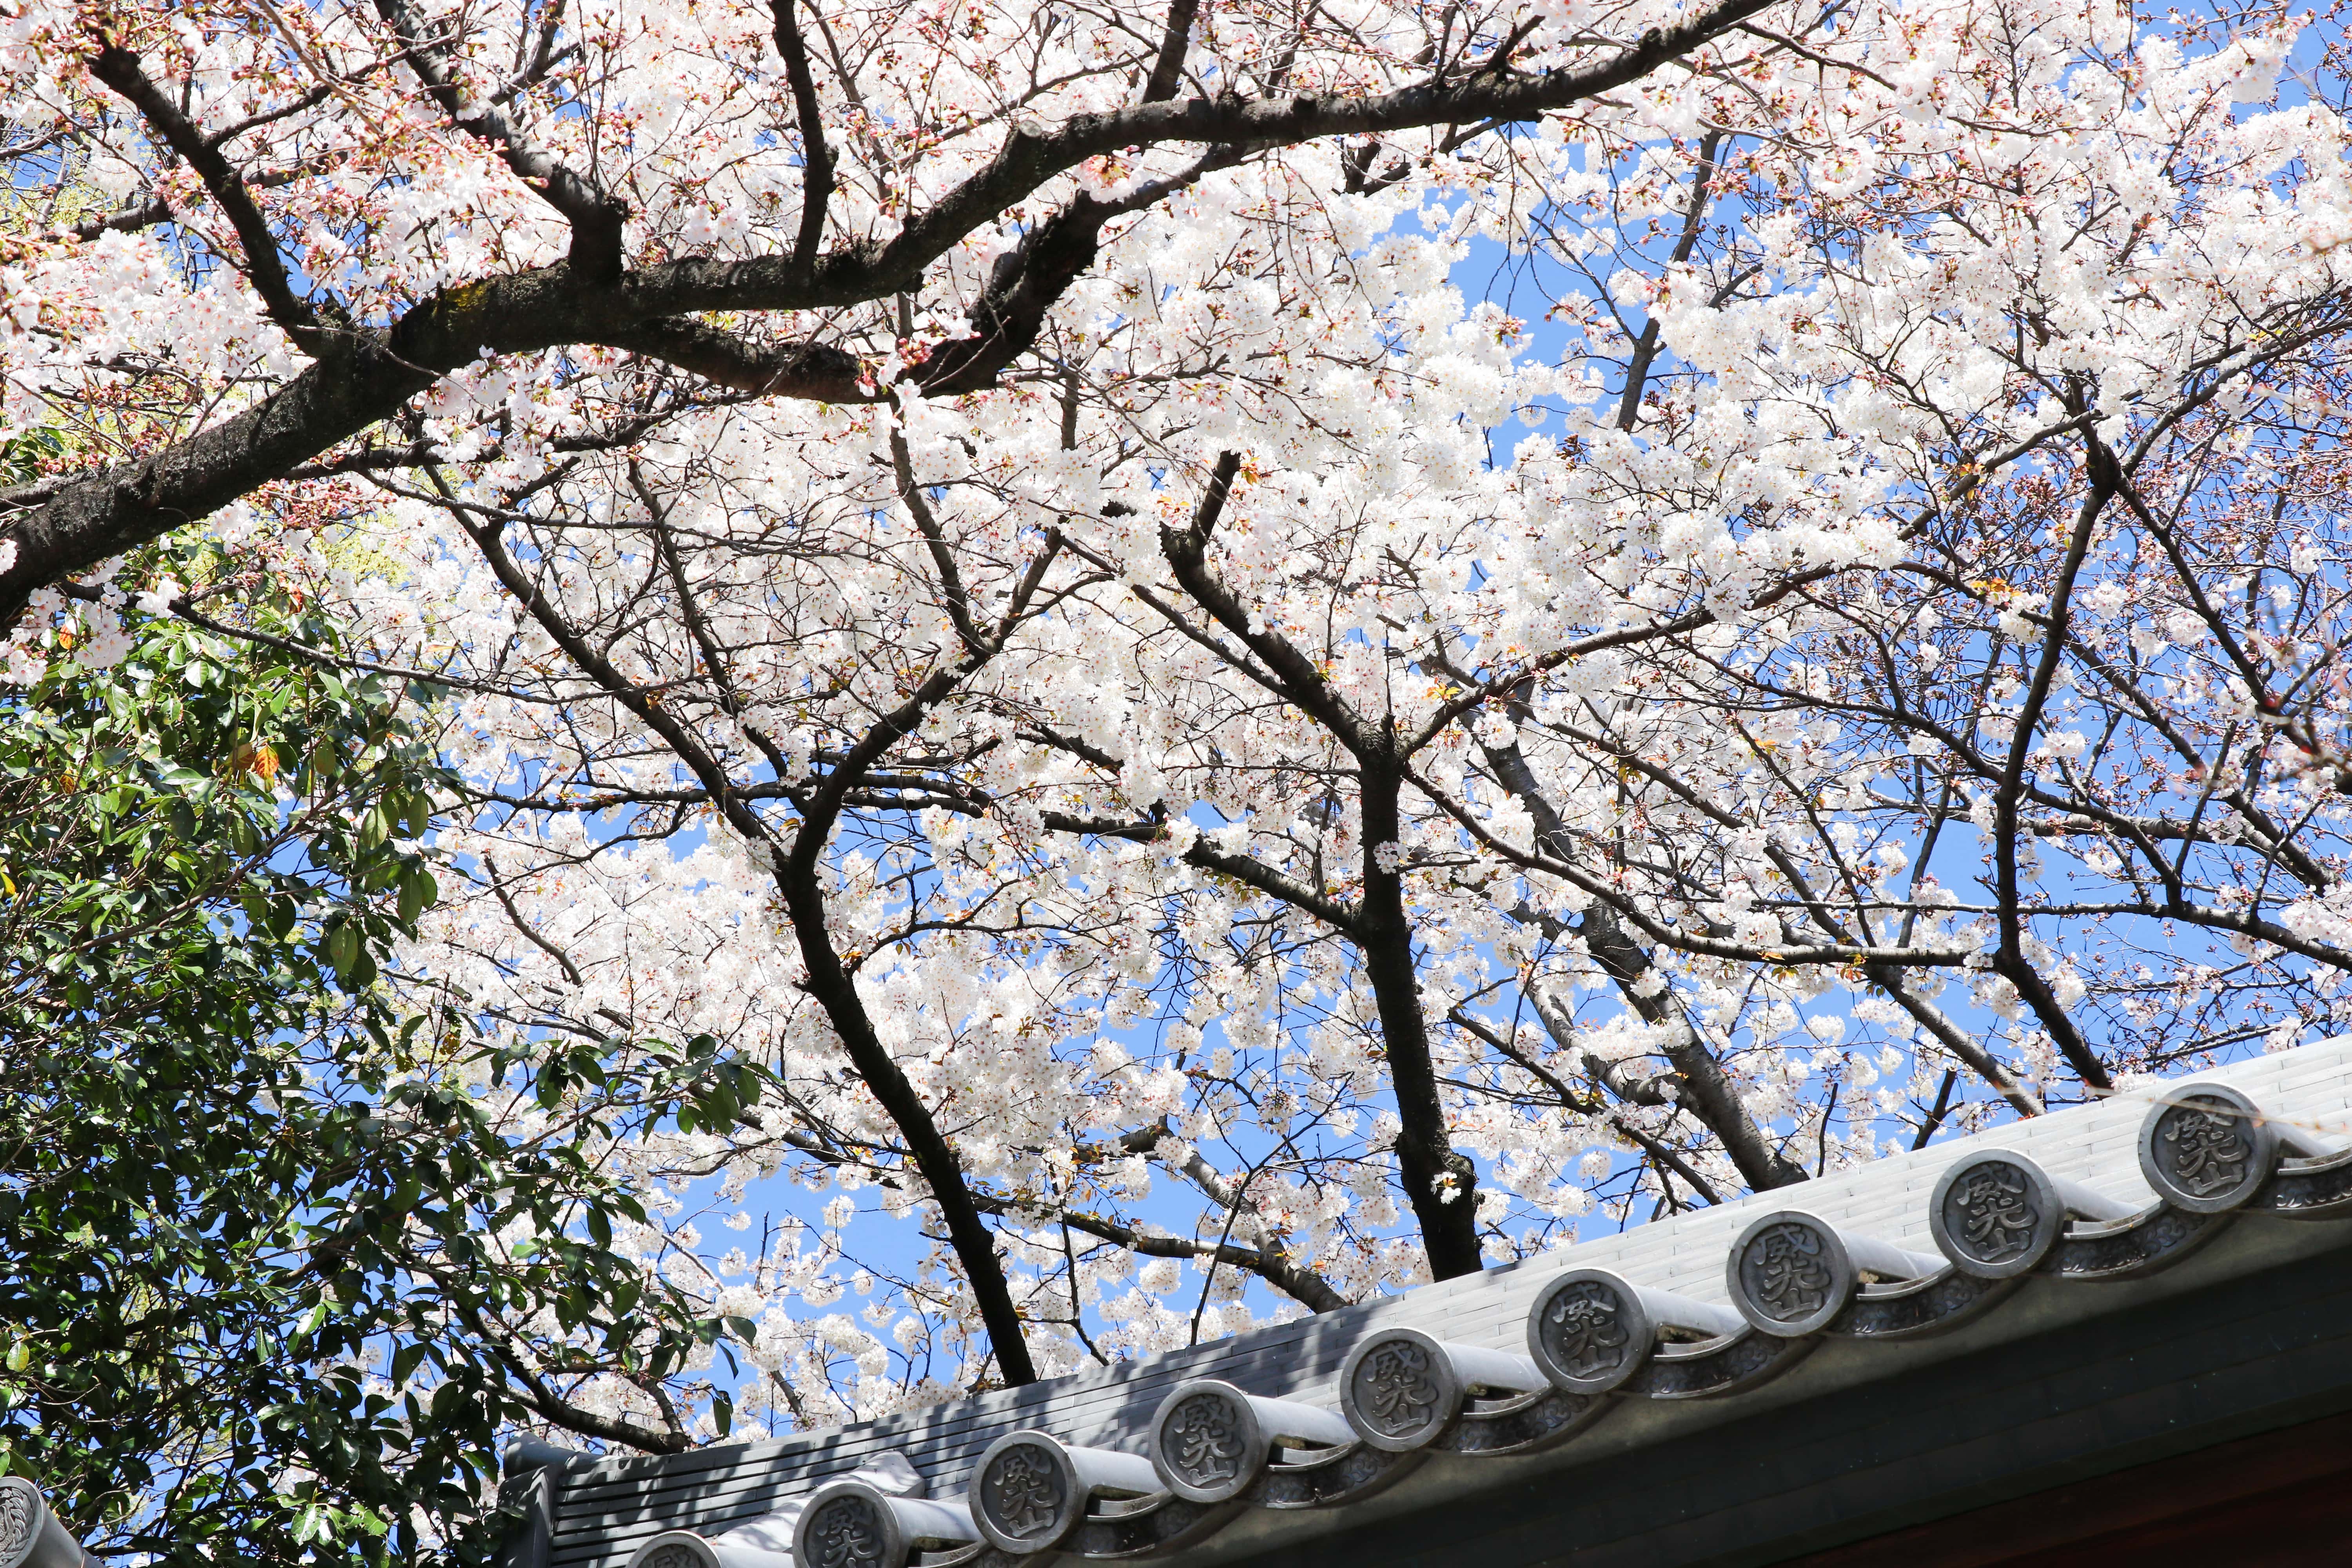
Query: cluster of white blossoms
(1449, 680)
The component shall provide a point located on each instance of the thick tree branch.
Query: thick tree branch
(1249, 123)
(1439, 1181)
(828, 980)
(1586, 1105)
(554, 1406)
(799, 877)
(1168, 71)
(365, 378)
(1268, 1260)
(498, 886)
(595, 216)
(1027, 281)
(816, 156)
(118, 69)
(818, 372)
(1295, 678)
(2010, 959)
(1707, 1089)
(1645, 347)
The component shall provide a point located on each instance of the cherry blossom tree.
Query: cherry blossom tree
(1288, 641)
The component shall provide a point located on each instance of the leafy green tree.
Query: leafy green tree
(285, 1250)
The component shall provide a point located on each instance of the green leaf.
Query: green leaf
(342, 946)
(212, 1206)
(417, 892)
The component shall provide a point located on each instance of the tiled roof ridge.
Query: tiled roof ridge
(1860, 1256)
(2336, 1126)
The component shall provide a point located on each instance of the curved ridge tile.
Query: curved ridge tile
(1936, 1304)
(2308, 1189)
(1525, 1424)
(1718, 1367)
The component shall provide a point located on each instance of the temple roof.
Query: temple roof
(1634, 1344)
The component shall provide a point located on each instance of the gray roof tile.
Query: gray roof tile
(605, 1509)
